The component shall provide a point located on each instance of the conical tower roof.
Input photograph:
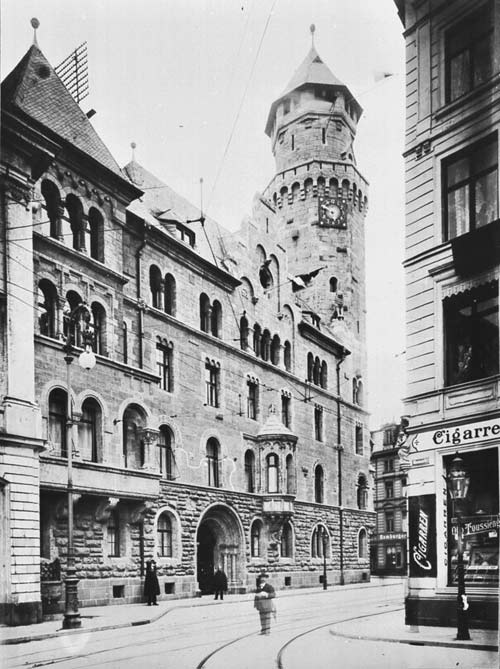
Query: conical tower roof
(274, 428)
(312, 71)
(34, 89)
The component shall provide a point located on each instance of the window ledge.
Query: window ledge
(470, 97)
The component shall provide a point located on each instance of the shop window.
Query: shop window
(479, 518)
(471, 334)
(164, 366)
(470, 188)
(96, 227)
(170, 294)
(469, 53)
(212, 383)
(252, 399)
(89, 430)
(286, 545)
(213, 455)
(58, 399)
(164, 534)
(272, 472)
(318, 423)
(155, 286)
(166, 453)
(46, 307)
(362, 544)
(319, 484)
(393, 557)
(250, 471)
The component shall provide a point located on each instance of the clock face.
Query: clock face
(332, 212)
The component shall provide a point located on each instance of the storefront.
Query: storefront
(435, 520)
(390, 554)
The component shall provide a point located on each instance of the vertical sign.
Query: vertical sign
(422, 535)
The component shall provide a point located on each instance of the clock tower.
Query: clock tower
(320, 198)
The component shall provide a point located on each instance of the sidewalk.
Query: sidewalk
(390, 627)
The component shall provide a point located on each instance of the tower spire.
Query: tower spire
(35, 23)
(312, 28)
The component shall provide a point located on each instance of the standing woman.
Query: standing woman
(264, 603)
(151, 584)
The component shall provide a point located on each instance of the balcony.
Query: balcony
(278, 505)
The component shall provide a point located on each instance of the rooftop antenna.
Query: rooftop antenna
(312, 28)
(73, 71)
(133, 147)
(35, 23)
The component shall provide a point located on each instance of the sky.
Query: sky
(190, 82)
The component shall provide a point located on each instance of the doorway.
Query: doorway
(205, 562)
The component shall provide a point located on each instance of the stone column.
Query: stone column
(150, 439)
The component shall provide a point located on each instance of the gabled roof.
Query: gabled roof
(34, 88)
(312, 71)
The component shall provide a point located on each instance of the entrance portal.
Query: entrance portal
(219, 543)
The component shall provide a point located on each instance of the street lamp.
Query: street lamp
(458, 487)
(324, 539)
(77, 320)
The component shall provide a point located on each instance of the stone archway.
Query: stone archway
(219, 541)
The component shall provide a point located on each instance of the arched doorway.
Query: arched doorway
(219, 541)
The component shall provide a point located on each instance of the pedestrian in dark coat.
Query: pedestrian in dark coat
(220, 583)
(264, 603)
(151, 584)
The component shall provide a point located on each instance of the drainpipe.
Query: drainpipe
(343, 355)
(138, 257)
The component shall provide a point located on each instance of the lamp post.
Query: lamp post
(77, 320)
(458, 487)
(324, 539)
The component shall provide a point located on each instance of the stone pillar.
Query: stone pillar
(150, 439)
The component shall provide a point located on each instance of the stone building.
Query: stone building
(224, 422)
(388, 542)
(452, 266)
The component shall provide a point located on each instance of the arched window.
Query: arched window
(345, 189)
(243, 333)
(256, 338)
(265, 345)
(213, 451)
(284, 195)
(334, 187)
(286, 541)
(362, 544)
(70, 304)
(52, 198)
(287, 355)
(205, 319)
(96, 227)
(319, 484)
(90, 431)
(164, 536)
(256, 538)
(99, 328)
(295, 191)
(265, 276)
(308, 187)
(166, 453)
(310, 367)
(125, 341)
(134, 421)
(290, 475)
(360, 393)
(272, 472)
(250, 471)
(170, 295)
(58, 399)
(323, 379)
(47, 300)
(155, 286)
(320, 542)
(316, 371)
(362, 492)
(333, 284)
(75, 212)
(275, 350)
(216, 319)
(321, 185)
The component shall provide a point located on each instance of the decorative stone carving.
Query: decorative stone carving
(105, 508)
(139, 512)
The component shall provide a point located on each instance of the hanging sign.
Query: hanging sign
(422, 535)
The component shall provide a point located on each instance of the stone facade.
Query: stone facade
(224, 420)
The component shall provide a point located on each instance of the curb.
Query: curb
(153, 619)
(419, 642)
